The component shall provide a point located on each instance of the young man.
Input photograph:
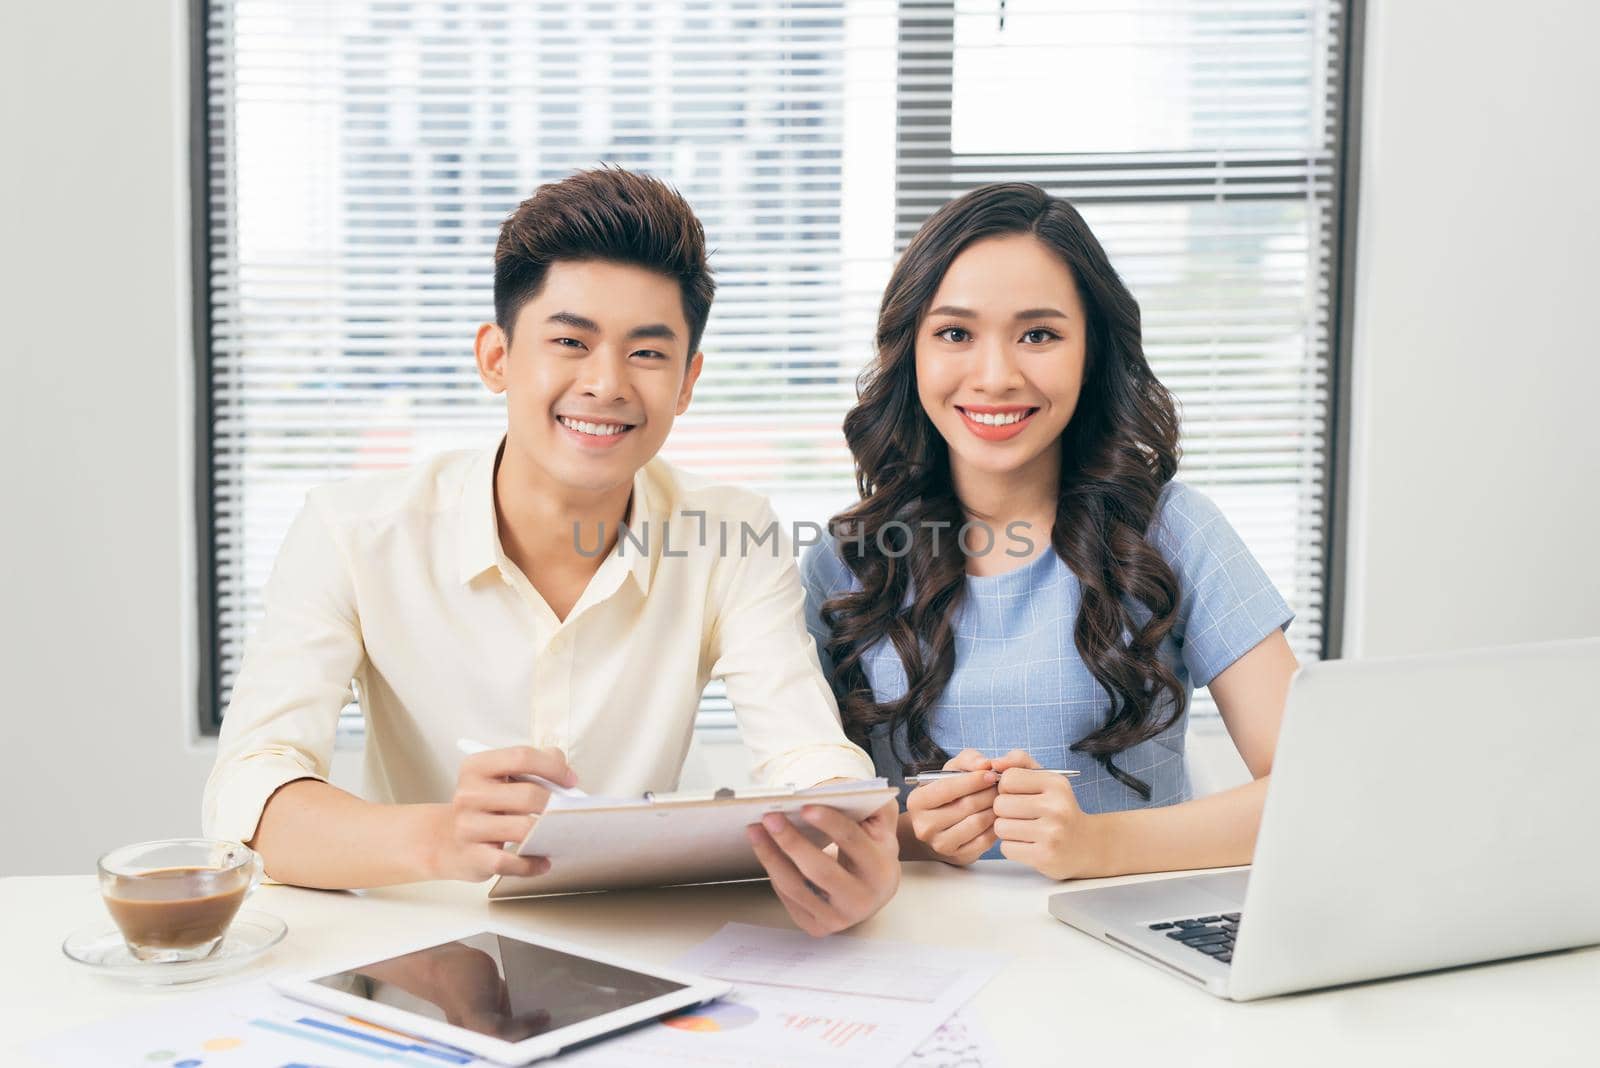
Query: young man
(467, 597)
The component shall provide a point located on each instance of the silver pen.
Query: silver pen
(935, 776)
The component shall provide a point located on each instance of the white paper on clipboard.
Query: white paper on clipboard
(598, 843)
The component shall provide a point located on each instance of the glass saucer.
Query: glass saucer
(100, 946)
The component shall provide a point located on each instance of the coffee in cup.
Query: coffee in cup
(173, 900)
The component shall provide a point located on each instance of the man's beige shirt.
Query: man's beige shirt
(397, 585)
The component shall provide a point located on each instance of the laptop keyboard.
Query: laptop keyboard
(1211, 935)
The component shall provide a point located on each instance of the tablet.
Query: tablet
(503, 995)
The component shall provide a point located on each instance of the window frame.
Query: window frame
(209, 658)
(1346, 117)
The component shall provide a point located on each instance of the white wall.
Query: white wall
(1476, 517)
(1473, 520)
(98, 634)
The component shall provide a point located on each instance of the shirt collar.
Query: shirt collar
(479, 549)
(649, 527)
(478, 545)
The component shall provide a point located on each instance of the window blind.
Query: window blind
(360, 158)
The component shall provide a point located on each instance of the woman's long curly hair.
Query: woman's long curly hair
(1117, 452)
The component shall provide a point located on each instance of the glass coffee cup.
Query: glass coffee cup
(174, 899)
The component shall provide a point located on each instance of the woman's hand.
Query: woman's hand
(954, 817)
(490, 809)
(1039, 822)
(828, 889)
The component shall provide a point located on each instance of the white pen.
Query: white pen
(935, 776)
(472, 748)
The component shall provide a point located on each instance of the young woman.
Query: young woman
(1023, 584)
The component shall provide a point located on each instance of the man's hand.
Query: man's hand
(490, 809)
(955, 817)
(1038, 819)
(828, 889)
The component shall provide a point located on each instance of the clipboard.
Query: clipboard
(608, 843)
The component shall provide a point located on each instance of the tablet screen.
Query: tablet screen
(499, 986)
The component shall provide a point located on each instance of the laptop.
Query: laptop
(1424, 812)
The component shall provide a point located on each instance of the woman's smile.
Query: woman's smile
(993, 422)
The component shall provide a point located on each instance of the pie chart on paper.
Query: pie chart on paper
(717, 1016)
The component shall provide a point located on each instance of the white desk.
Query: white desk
(1063, 998)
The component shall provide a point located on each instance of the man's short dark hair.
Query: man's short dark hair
(605, 214)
